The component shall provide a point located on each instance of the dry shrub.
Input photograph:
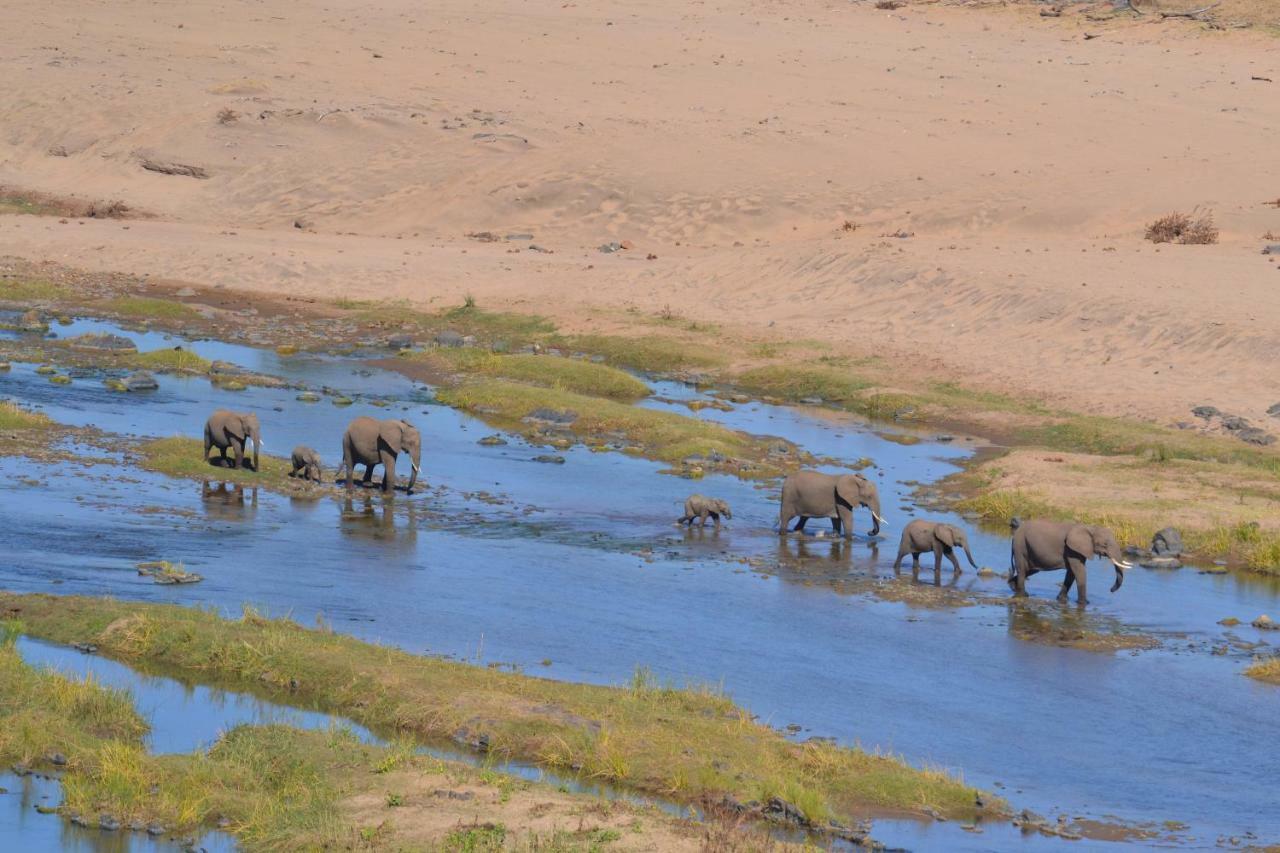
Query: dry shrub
(1183, 228)
(226, 115)
(889, 4)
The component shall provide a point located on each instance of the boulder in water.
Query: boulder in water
(141, 380)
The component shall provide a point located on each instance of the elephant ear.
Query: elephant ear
(849, 487)
(945, 534)
(237, 427)
(392, 434)
(1080, 540)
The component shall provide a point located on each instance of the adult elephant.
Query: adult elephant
(232, 430)
(942, 539)
(1040, 546)
(810, 494)
(371, 442)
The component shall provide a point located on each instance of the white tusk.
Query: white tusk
(1124, 565)
(415, 468)
(880, 520)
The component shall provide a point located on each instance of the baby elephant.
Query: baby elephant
(922, 536)
(701, 506)
(307, 461)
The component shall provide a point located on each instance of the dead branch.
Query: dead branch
(1191, 14)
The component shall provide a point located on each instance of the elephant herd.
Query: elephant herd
(1037, 545)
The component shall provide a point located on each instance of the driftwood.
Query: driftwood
(1192, 13)
(169, 168)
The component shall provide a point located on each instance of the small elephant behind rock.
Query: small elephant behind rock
(703, 507)
(920, 537)
(306, 460)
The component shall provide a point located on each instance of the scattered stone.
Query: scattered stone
(399, 342)
(341, 401)
(225, 368)
(1254, 435)
(155, 829)
(107, 823)
(167, 167)
(1167, 543)
(78, 820)
(812, 401)
(164, 572)
(454, 795)
(610, 248)
(103, 343)
(550, 459)
(1161, 563)
(1274, 410)
(1234, 422)
(988, 572)
(1271, 249)
(1265, 623)
(60, 379)
(46, 370)
(519, 237)
(140, 380)
(42, 809)
(1205, 412)
(482, 236)
(308, 397)
(1229, 622)
(449, 338)
(87, 648)
(57, 759)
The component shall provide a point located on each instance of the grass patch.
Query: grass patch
(182, 457)
(17, 203)
(650, 354)
(794, 383)
(13, 416)
(489, 326)
(664, 436)
(174, 360)
(147, 307)
(567, 374)
(31, 290)
(682, 743)
(1266, 670)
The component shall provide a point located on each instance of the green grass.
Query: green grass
(488, 326)
(580, 377)
(146, 307)
(797, 382)
(31, 290)
(1265, 670)
(680, 743)
(182, 457)
(17, 203)
(13, 416)
(649, 354)
(664, 436)
(174, 359)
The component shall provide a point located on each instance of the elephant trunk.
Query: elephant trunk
(257, 445)
(1121, 564)
(969, 554)
(876, 518)
(415, 458)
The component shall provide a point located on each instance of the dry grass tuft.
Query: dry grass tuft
(1183, 228)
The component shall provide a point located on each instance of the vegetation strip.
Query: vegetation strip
(689, 745)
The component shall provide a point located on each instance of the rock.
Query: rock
(225, 368)
(114, 384)
(500, 346)
(449, 338)
(107, 823)
(944, 438)
(492, 441)
(1205, 412)
(46, 370)
(1271, 249)
(550, 459)
(1265, 623)
(519, 237)
(1274, 410)
(780, 810)
(342, 401)
(140, 380)
(230, 384)
(87, 648)
(610, 248)
(399, 342)
(136, 825)
(78, 820)
(1214, 570)
(154, 829)
(552, 416)
(1234, 422)
(286, 349)
(33, 321)
(5, 366)
(185, 293)
(223, 822)
(103, 343)
(1254, 435)
(1161, 563)
(1229, 622)
(988, 572)
(812, 401)
(308, 397)
(57, 759)
(46, 809)
(1167, 543)
(60, 380)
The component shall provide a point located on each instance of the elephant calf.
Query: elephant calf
(921, 536)
(703, 507)
(307, 461)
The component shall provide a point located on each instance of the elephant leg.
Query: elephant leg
(784, 518)
(835, 524)
(1076, 571)
(897, 564)
(239, 463)
(702, 518)
(937, 560)
(208, 442)
(951, 555)
(799, 528)
(1066, 585)
(845, 516)
(388, 472)
(1019, 569)
(715, 517)
(349, 466)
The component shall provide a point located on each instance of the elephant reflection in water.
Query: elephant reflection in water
(375, 518)
(228, 501)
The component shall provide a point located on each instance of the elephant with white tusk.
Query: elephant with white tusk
(371, 442)
(1040, 546)
(232, 430)
(810, 494)
(703, 507)
(922, 536)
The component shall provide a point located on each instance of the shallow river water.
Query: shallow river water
(579, 564)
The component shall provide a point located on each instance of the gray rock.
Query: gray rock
(141, 380)
(1271, 249)
(552, 416)
(57, 759)
(155, 829)
(492, 441)
(811, 401)
(1253, 435)
(1167, 543)
(1205, 412)
(1265, 623)
(1161, 563)
(449, 338)
(519, 236)
(225, 368)
(185, 293)
(550, 459)
(103, 343)
(308, 397)
(107, 823)
(398, 342)
(610, 248)
(1234, 422)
